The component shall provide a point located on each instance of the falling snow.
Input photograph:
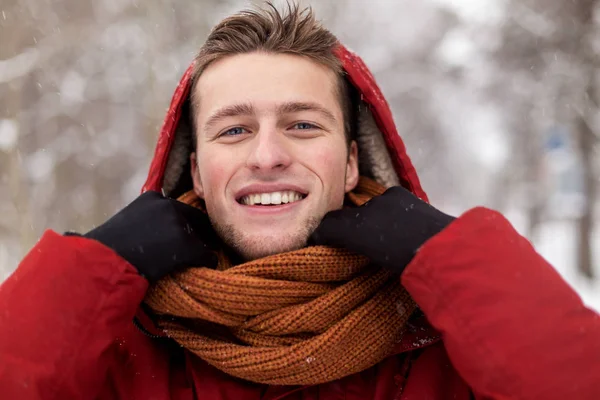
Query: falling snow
(485, 99)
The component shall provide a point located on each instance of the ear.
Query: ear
(352, 168)
(198, 188)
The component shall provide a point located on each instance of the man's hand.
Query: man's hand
(157, 235)
(388, 229)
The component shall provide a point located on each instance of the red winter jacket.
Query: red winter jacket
(510, 327)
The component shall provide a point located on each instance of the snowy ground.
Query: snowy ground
(557, 245)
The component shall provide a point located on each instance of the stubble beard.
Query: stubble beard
(251, 247)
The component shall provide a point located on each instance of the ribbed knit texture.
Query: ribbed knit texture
(298, 318)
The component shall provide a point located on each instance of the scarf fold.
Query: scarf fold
(298, 318)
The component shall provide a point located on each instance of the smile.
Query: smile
(271, 198)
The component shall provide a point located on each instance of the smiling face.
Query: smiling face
(271, 158)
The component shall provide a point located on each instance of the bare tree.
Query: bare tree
(586, 134)
(546, 63)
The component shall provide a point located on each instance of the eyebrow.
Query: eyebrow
(297, 106)
(229, 111)
(282, 109)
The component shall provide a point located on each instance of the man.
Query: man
(278, 277)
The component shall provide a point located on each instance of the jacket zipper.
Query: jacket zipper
(141, 328)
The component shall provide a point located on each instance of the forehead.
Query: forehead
(266, 80)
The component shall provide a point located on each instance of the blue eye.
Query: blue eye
(233, 131)
(304, 126)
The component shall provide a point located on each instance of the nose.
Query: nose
(269, 151)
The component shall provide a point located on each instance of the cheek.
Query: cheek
(215, 171)
(334, 159)
(328, 159)
(329, 162)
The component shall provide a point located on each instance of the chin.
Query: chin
(253, 246)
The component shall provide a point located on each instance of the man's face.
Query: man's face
(272, 158)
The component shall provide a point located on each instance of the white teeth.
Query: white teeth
(284, 197)
(265, 198)
(276, 198)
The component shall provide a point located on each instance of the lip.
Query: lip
(272, 209)
(269, 188)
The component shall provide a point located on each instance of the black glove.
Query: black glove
(389, 229)
(157, 235)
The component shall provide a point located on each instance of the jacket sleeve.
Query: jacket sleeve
(512, 326)
(60, 313)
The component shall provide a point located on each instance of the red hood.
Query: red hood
(358, 74)
(380, 135)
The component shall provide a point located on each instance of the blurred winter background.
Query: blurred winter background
(497, 101)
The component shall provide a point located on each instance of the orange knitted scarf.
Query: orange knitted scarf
(299, 318)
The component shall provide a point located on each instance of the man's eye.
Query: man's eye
(304, 126)
(233, 131)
